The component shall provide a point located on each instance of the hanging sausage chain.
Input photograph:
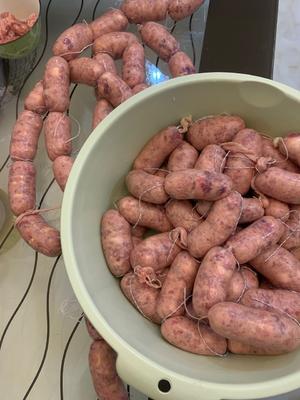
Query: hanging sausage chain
(50, 97)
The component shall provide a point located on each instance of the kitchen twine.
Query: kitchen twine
(185, 124)
(140, 202)
(241, 212)
(261, 199)
(278, 309)
(201, 216)
(223, 163)
(236, 260)
(11, 161)
(206, 344)
(182, 304)
(174, 236)
(275, 142)
(261, 163)
(246, 155)
(199, 320)
(286, 239)
(73, 119)
(236, 147)
(245, 283)
(77, 52)
(195, 215)
(205, 117)
(34, 212)
(148, 276)
(289, 213)
(198, 326)
(134, 300)
(222, 114)
(174, 239)
(254, 187)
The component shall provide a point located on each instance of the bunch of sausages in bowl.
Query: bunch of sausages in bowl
(199, 234)
(226, 252)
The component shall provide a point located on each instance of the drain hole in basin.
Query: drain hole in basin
(164, 386)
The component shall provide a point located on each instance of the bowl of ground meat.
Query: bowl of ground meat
(19, 27)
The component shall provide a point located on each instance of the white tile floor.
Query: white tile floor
(24, 344)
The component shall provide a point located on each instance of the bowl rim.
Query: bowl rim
(215, 390)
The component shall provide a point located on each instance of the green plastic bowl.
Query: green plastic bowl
(25, 44)
(97, 179)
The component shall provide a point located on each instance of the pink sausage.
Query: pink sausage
(116, 242)
(157, 252)
(189, 336)
(114, 43)
(35, 100)
(102, 109)
(256, 238)
(39, 235)
(113, 20)
(133, 71)
(212, 158)
(212, 280)
(56, 84)
(157, 149)
(107, 383)
(92, 331)
(147, 10)
(158, 38)
(183, 157)
(57, 130)
(25, 136)
(142, 296)
(113, 89)
(180, 9)
(21, 186)
(85, 70)
(180, 64)
(177, 286)
(72, 41)
(61, 169)
(106, 63)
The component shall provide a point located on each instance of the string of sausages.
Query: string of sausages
(46, 106)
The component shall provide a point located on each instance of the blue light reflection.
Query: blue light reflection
(154, 74)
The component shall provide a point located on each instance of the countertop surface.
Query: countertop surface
(43, 340)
